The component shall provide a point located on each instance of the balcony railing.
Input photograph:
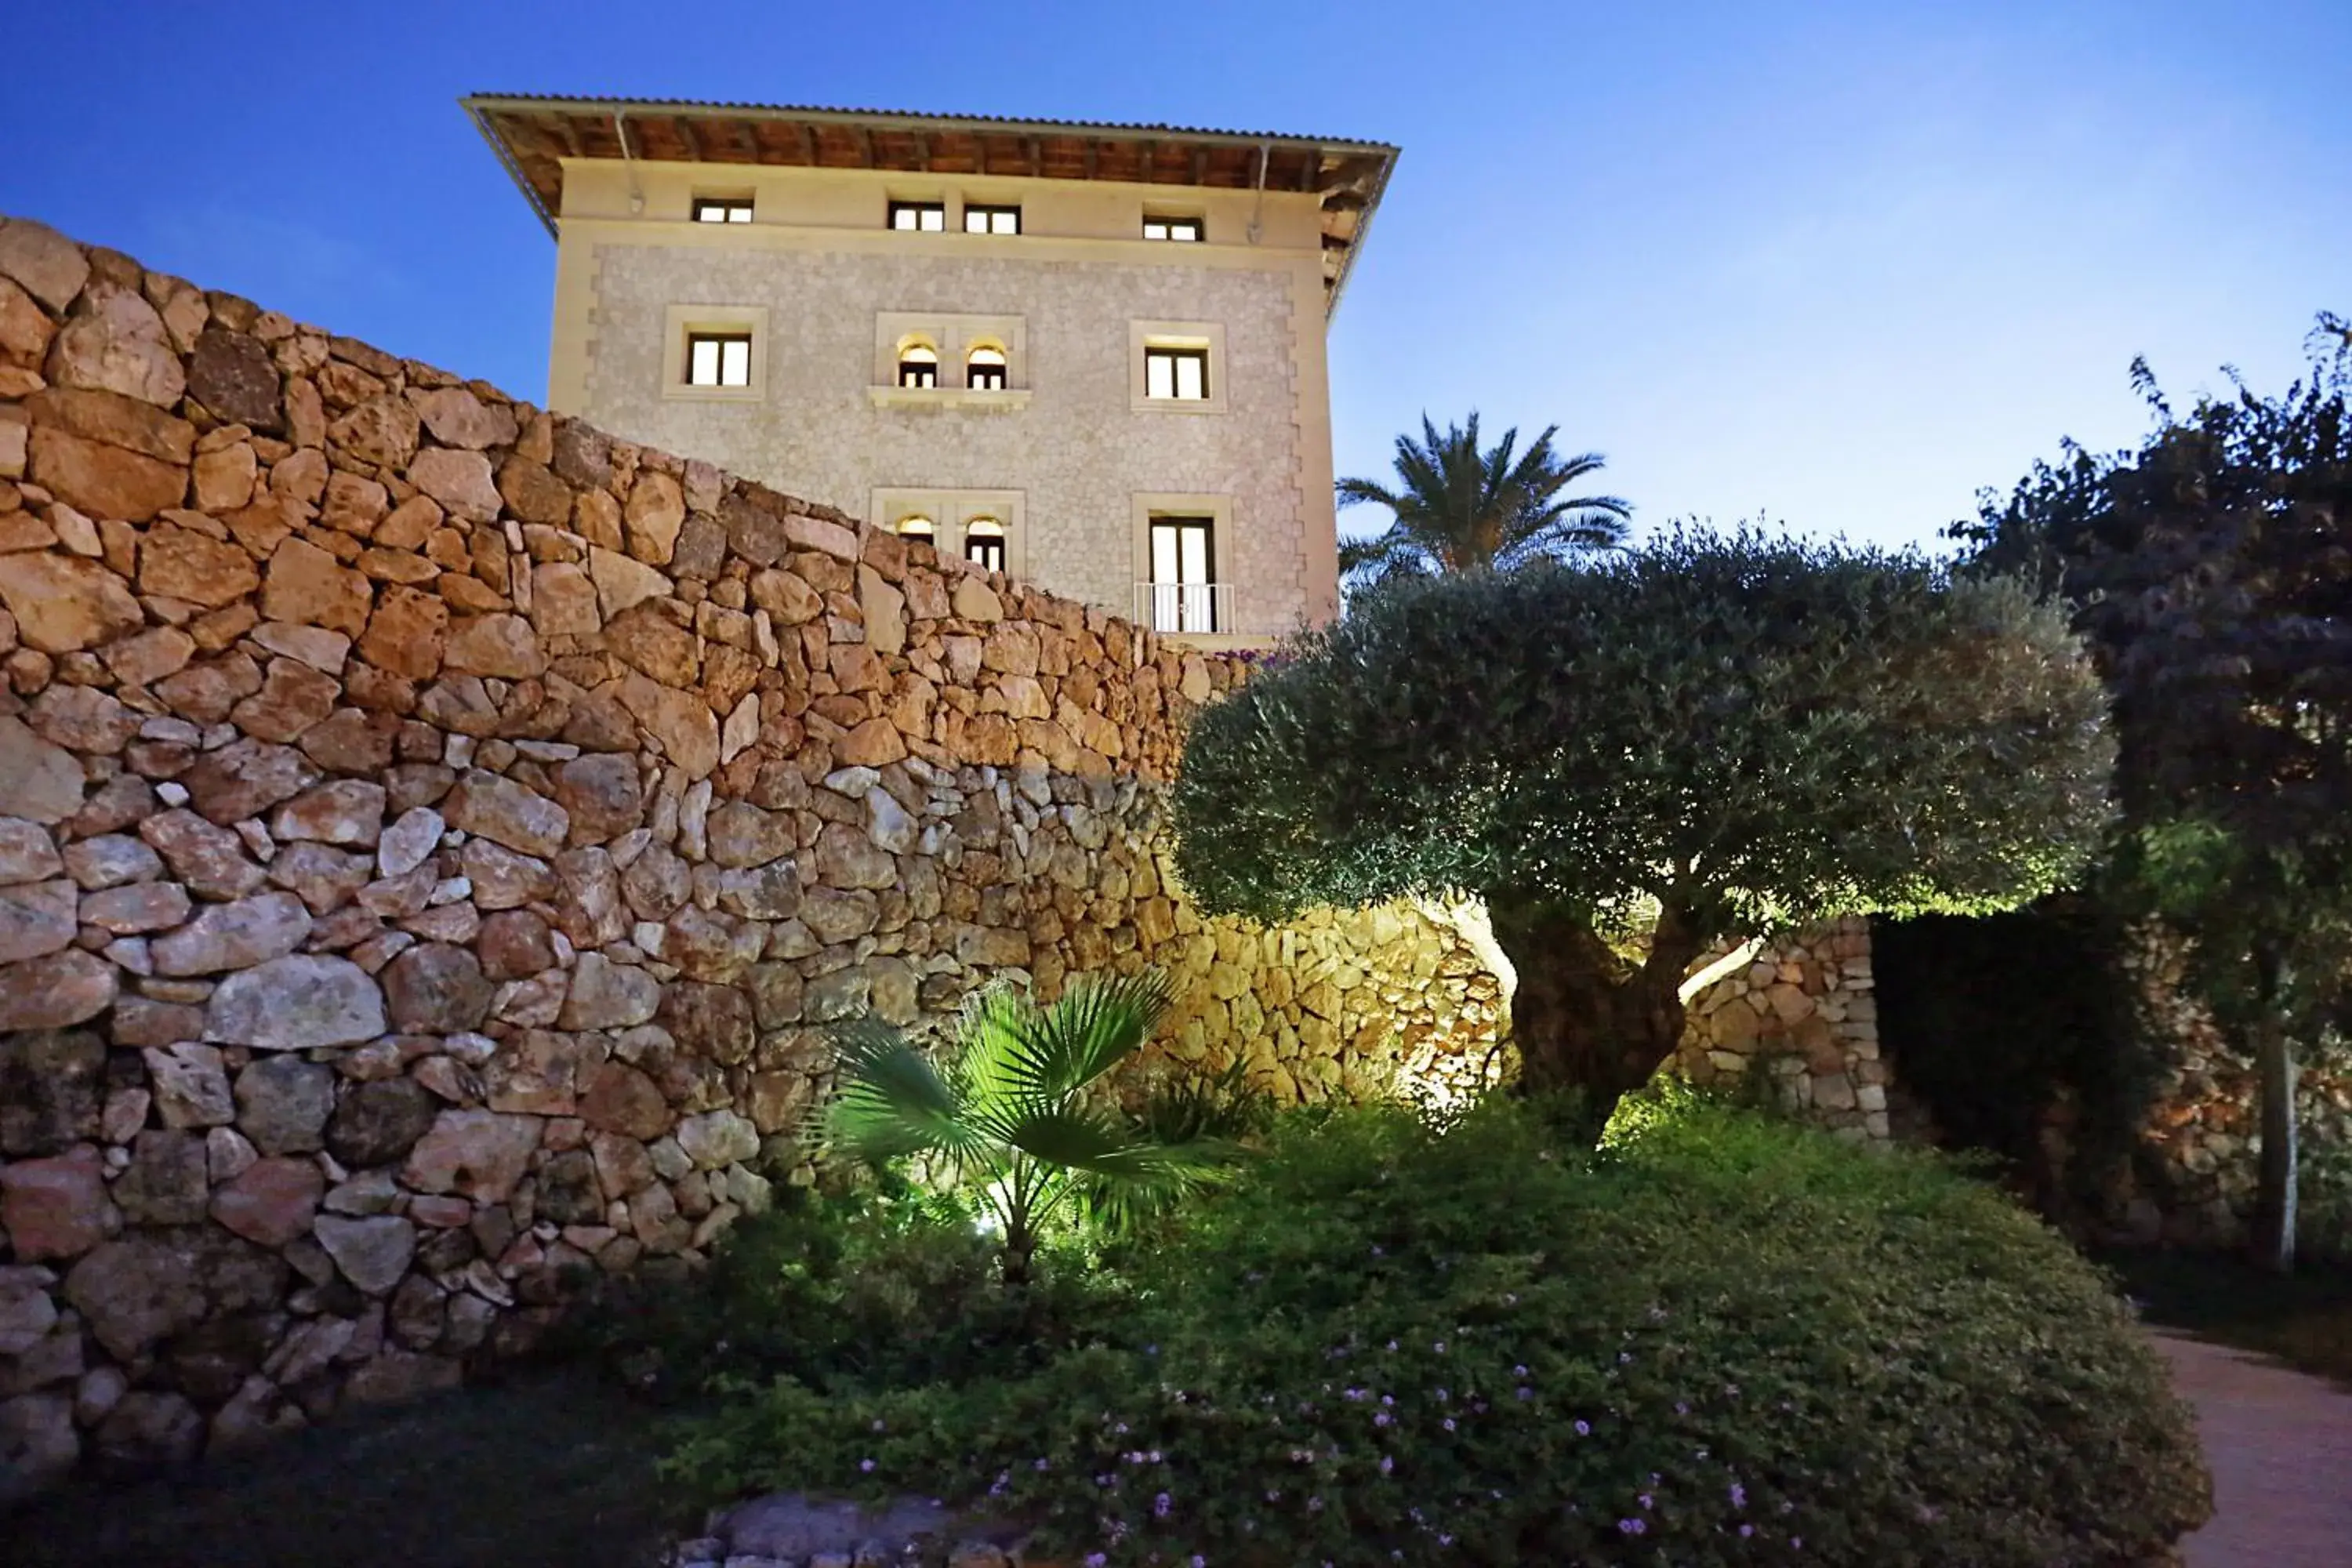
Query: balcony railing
(1199, 607)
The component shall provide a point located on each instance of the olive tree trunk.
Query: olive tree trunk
(1584, 1017)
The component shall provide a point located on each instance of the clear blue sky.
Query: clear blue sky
(1839, 264)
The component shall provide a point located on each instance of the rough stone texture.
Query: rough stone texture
(1803, 1010)
(55, 1207)
(517, 804)
(296, 1002)
(283, 1103)
(2195, 1174)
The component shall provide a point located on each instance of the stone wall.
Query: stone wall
(1801, 1008)
(433, 835)
(2200, 1143)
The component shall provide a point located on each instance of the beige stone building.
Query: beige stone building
(1091, 356)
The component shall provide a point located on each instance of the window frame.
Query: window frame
(998, 544)
(952, 513)
(698, 207)
(999, 374)
(1175, 358)
(1170, 223)
(1147, 339)
(928, 366)
(990, 211)
(684, 324)
(953, 337)
(721, 341)
(918, 209)
(1216, 510)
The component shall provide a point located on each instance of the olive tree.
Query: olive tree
(1625, 762)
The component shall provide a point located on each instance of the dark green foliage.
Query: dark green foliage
(1714, 733)
(1458, 507)
(1998, 1021)
(885, 1286)
(2211, 570)
(1493, 1347)
(1766, 730)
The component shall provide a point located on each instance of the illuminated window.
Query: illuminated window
(1178, 374)
(921, 528)
(928, 217)
(984, 370)
(917, 366)
(1182, 597)
(722, 209)
(983, 542)
(718, 359)
(991, 220)
(1183, 229)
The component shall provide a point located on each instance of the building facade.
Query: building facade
(1089, 356)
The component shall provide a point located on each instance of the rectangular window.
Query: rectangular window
(718, 359)
(1186, 230)
(985, 549)
(1183, 598)
(1178, 374)
(722, 209)
(991, 220)
(927, 218)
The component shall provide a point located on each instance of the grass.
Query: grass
(2303, 1319)
(551, 1467)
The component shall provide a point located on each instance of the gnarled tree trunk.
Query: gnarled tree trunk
(1583, 1016)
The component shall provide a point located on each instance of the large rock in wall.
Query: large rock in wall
(433, 837)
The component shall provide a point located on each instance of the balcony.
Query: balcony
(1198, 615)
(1192, 609)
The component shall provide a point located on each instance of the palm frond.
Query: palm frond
(1097, 1144)
(1460, 506)
(1090, 1028)
(891, 1101)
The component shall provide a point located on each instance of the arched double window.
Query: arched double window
(918, 366)
(983, 542)
(984, 370)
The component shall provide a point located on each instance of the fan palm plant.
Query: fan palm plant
(1014, 1113)
(1457, 508)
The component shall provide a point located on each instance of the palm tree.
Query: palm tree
(1012, 1114)
(1456, 508)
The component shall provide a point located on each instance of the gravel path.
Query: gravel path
(2281, 1447)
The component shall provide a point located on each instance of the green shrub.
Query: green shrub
(885, 1286)
(1719, 1340)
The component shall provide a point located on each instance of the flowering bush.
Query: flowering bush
(1721, 1341)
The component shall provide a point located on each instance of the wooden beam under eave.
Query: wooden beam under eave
(1312, 169)
(808, 143)
(1094, 155)
(1036, 156)
(866, 145)
(923, 151)
(1200, 164)
(689, 139)
(570, 134)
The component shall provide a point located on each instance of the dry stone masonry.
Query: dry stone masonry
(1804, 1010)
(433, 836)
